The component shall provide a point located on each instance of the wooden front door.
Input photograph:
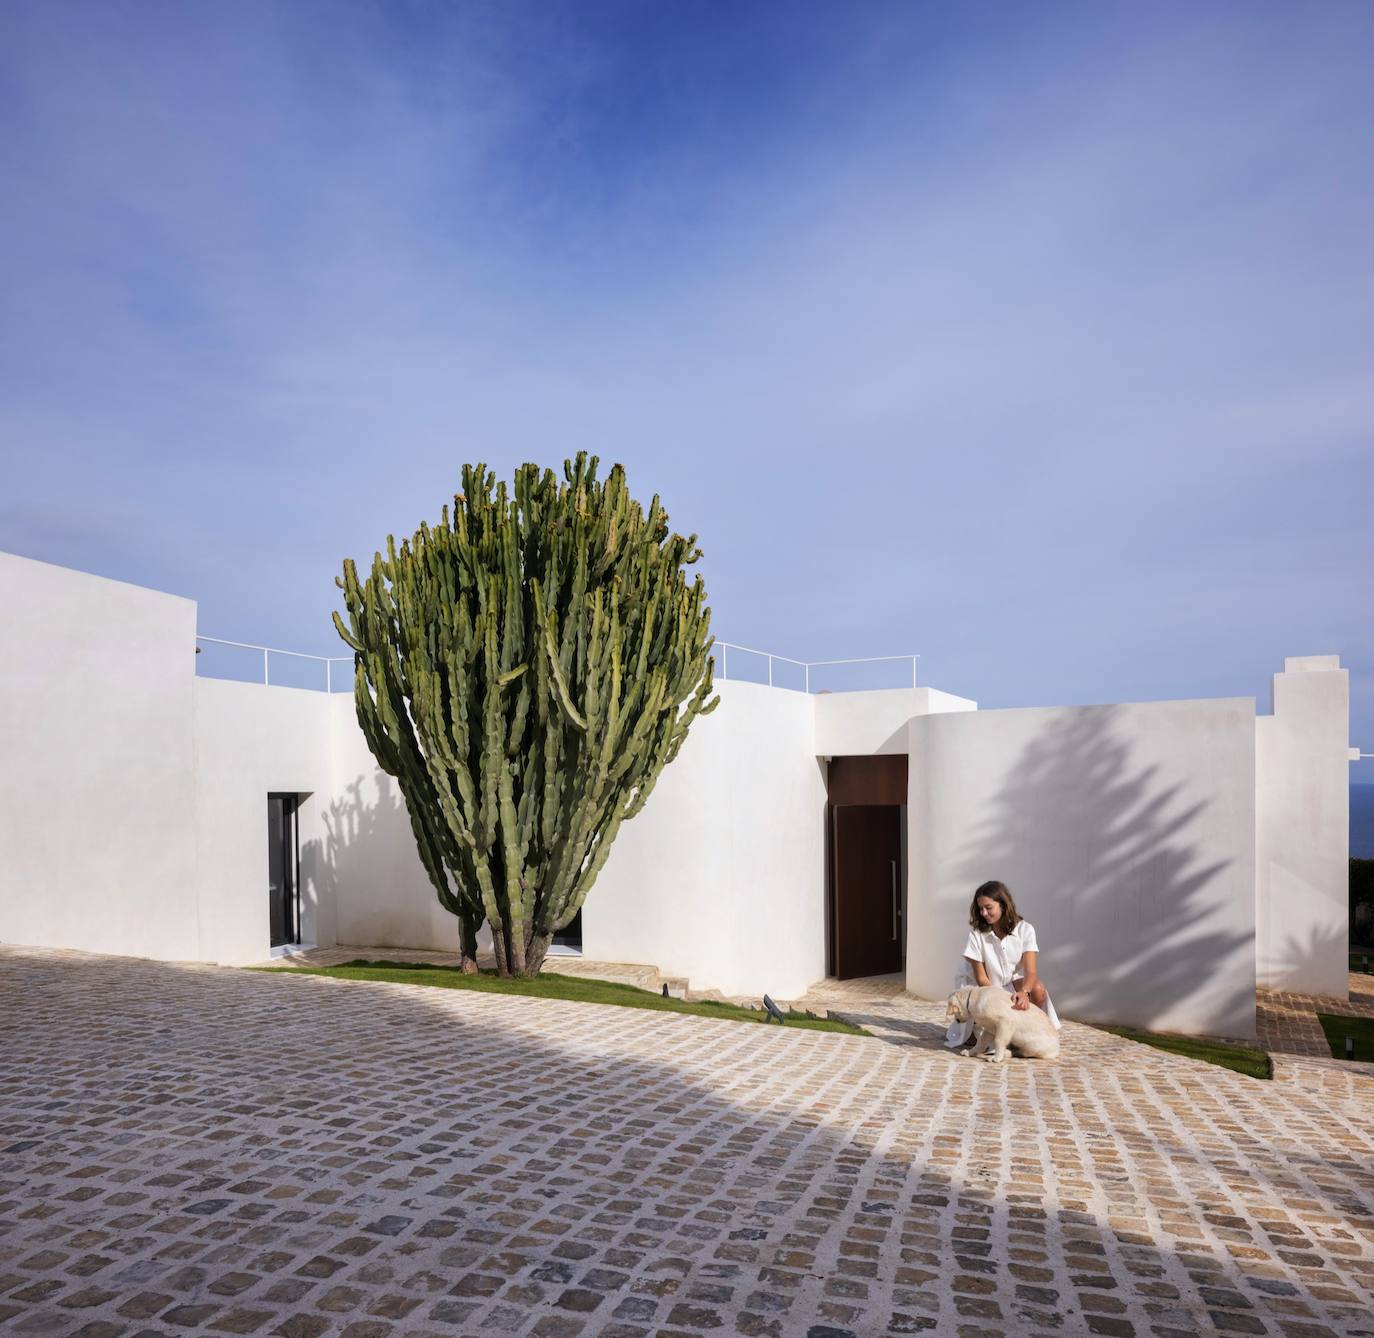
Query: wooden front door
(866, 845)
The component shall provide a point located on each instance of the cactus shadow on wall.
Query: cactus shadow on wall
(368, 884)
(1104, 856)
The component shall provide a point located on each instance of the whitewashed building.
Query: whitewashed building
(1173, 855)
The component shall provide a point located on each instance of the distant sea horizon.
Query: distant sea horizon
(1362, 820)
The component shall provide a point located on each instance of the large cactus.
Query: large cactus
(526, 669)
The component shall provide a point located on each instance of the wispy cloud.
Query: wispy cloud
(1035, 341)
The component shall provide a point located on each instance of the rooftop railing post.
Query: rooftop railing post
(264, 666)
(329, 664)
(770, 671)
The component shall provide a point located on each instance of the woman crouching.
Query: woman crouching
(1001, 951)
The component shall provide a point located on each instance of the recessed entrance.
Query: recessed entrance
(283, 870)
(568, 940)
(866, 825)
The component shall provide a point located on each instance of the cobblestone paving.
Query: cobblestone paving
(191, 1148)
(1287, 1023)
(1288, 1028)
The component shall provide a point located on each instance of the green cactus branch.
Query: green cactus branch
(525, 669)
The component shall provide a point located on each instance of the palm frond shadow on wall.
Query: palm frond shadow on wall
(1104, 855)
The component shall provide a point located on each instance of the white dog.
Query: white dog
(998, 1025)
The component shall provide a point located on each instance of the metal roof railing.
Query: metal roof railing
(806, 666)
(267, 651)
(722, 661)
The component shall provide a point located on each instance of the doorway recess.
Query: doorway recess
(283, 871)
(865, 865)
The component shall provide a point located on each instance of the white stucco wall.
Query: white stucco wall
(854, 724)
(252, 740)
(1303, 829)
(1127, 835)
(1166, 851)
(364, 860)
(721, 878)
(96, 767)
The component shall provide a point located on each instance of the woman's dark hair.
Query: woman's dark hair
(1001, 894)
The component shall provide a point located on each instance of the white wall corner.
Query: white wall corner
(1302, 810)
(860, 724)
(96, 737)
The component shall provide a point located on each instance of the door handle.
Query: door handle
(894, 900)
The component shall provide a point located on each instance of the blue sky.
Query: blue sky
(1036, 339)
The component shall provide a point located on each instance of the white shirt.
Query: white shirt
(1001, 957)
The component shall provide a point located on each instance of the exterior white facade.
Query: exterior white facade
(1128, 836)
(1171, 854)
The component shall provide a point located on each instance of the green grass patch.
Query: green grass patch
(1337, 1027)
(579, 989)
(1238, 1058)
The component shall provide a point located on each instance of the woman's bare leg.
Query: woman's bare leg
(1039, 996)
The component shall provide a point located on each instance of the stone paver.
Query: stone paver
(1287, 1023)
(191, 1148)
(1288, 1028)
